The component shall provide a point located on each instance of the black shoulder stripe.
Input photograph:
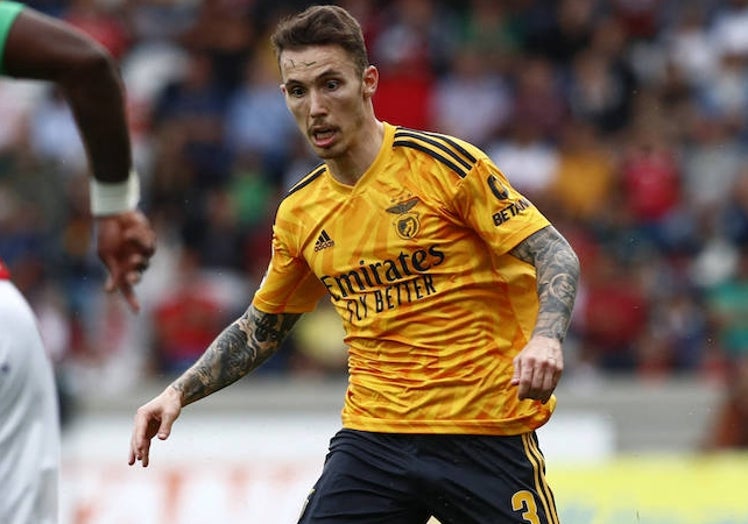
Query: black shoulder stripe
(454, 144)
(434, 143)
(314, 174)
(420, 147)
(445, 138)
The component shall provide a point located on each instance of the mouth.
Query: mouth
(322, 137)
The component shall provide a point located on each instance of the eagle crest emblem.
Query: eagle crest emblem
(407, 222)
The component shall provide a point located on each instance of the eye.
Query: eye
(332, 85)
(296, 91)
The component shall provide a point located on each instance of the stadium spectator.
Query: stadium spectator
(187, 317)
(412, 49)
(560, 30)
(471, 88)
(257, 121)
(538, 98)
(585, 179)
(650, 183)
(727, 305)
(532, 160)
(615, 315)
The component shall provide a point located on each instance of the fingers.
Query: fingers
(139, 264)
(139, 451)
(128, 293)
(142, 239)
(126, 243)
(550, 377)
(153, 419)
(130, 262)
(140, 443)
(536, 378)
(146, 427)
(123, 282)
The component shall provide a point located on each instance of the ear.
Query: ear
(370, 81)
(283, 89)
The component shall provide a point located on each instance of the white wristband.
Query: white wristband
(114, 198)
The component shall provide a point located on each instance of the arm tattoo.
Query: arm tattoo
(239, 349)
(557, 269)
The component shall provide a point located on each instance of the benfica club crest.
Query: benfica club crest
(407, 223)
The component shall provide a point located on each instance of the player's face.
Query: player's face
(327, 97)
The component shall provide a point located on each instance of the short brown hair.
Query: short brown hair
(322, 25)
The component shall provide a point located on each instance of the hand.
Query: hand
(125, 243)
(154, 418)
(538, 368)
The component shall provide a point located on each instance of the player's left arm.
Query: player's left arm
(538, 367)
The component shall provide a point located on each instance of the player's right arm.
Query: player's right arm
(240, 348)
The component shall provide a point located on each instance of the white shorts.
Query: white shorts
(29, 421)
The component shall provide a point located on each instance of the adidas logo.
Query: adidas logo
(323, 241)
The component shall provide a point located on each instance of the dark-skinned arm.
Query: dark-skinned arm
(241, 348)
(538, 366)
(39, 47)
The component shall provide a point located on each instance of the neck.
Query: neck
(348, 168)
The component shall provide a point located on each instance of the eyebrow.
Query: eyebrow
(324, 74)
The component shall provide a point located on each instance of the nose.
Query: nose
(316, 103)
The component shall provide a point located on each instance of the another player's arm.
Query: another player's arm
(88, 77)
(241, 348)
(557, 269)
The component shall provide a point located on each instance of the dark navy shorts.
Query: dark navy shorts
(406, 479)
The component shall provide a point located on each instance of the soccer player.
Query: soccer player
(35, 46)
(454, 290)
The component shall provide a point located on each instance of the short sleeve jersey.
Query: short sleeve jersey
(8, 13)
(414, 257)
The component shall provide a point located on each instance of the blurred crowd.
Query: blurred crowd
(625, 121)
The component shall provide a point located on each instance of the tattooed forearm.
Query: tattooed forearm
(557, 270)
(239, 349)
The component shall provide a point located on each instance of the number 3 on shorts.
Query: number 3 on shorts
(525, 502)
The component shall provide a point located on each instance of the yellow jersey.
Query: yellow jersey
(414, 257)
